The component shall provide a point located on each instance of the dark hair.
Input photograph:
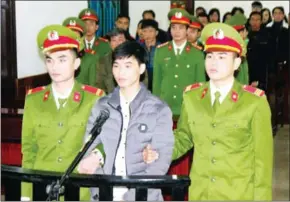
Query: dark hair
(128, 49)
(225, 16)
(121, 15)
(150, 12)
(235, 9)
(215, 10)
(257, 4)
(202, 8)
(280, 8)
(149, 23)
(270, 17)
(256, 13)
(115, 32)
(203, 15)
(140, 22)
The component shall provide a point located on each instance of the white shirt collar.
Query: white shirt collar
(91, 42)
(57, 95)
(224, 90)
(123, 100)
(181, 47)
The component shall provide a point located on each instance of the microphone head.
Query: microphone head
(105, 113)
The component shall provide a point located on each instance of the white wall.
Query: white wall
(31, 16)
(226, 6)
(136, 8)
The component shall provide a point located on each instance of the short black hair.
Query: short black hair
(255, 13)
(235, 9)
(128, 49)
(201, 8)
(257, 4)
(148, 11)
(225, 16)
(121, 15)
(149, 23)
(115, 32)
(281, 8)
(215, 10)
(203, 15)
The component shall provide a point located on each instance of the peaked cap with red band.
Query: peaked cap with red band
(179, 16)
(195, 23)
(222, 37)
(75, 24)
(54, 37)
(89, 14)
(238, 21)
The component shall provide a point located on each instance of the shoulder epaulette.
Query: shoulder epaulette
(163, 44)
(196, 46)
(93, 90)
(103, 39)
(253, 90)
(193, 86)
(35, 90)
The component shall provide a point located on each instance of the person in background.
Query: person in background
(150, 33)
(55, 115)
(199, 10)
(236, 10)
(139, 35)
(227, 16)
(162, 36)
(214, 15)
(259, 53)
(203, 18)
(137, 118)
(76, 25)
(266, 16)
(238, 22)
(123, 22)
(257, 6)
(194, 31)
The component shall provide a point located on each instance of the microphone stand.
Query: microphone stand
(56, 188)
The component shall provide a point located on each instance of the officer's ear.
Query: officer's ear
(77, 63)
(142, 68)
(237, 61)
(157, 33)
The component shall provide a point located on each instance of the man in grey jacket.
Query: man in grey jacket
(137, 119)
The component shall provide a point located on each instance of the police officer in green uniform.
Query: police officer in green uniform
(229, 125)
(194, 31)
(238, 21)
(55, 116)
(176, 63)
(95, 48)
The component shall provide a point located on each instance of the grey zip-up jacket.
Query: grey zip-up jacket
(150, 123)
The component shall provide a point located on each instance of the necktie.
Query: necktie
(89, 45)
(216, 102)
(61, 102)
(177, 51)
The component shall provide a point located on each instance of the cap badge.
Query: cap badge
(218, 34)
(178, 15)
(88, 13)
(72, 23)
(53, 35)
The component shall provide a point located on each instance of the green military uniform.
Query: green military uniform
(92, 55)
(171, 72)
(233, 141)
(52, 137)
(238, 21)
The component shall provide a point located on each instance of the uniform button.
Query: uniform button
(59, 159)
(175, 86)
(213, 160)
(176, 76)
(59, 141)
(124, 129)
(213, 142)
(187, 66)
(213, 179)
(174, 96)
(214, 125)
(176, 65)
(60, 124)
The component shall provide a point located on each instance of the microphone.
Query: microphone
(99, 122)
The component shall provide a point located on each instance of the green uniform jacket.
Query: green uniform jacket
(105, 78)
(171, 73)
(52, 138)
(243, 74)
(88, 72)
(233, 150)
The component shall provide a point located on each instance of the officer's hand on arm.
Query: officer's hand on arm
(149, 155)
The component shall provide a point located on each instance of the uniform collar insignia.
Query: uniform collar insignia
(46, 95)
(235, 96)
(77, 97)
(204, 93)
